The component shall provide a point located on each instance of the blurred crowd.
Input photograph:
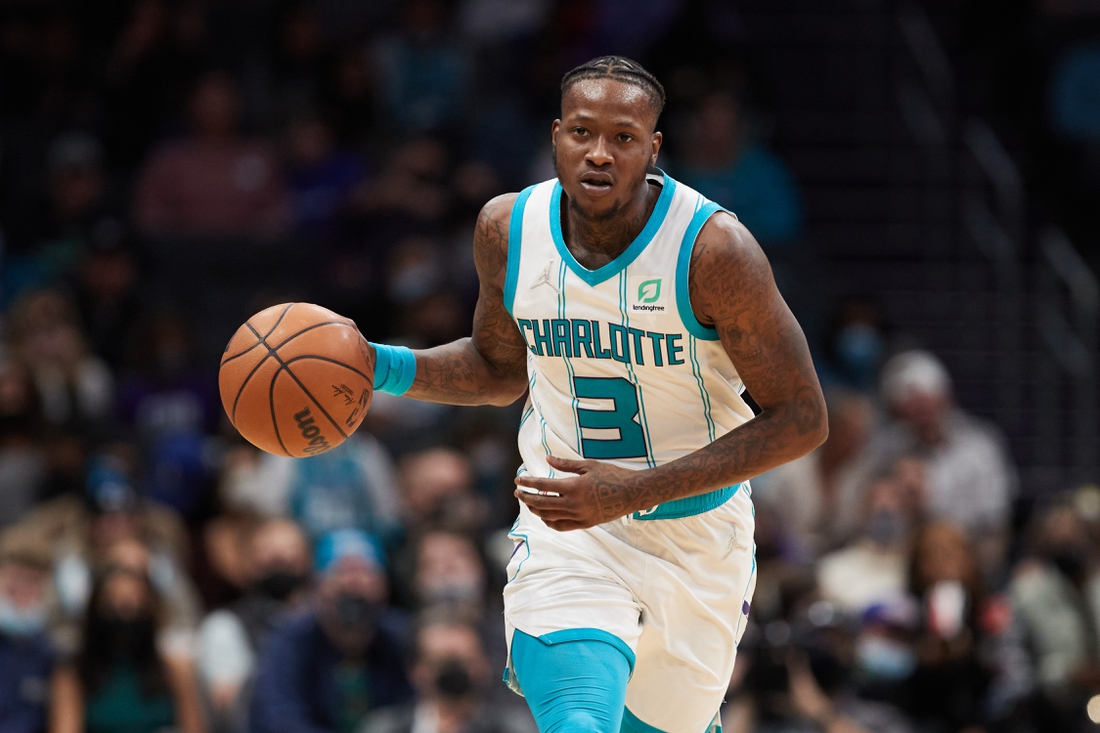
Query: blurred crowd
(171, 166)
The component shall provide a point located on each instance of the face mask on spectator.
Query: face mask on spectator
(356, 612)
(886, 527)
(279, 585)
(884, 660)
(127, 635)
(444, 590)
(453, 681)
(1070, 561)
(859, 348)
(21, 622)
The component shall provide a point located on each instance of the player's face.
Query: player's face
(603, 145)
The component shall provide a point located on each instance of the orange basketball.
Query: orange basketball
(296, 379)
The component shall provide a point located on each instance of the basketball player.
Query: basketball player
(633, 312)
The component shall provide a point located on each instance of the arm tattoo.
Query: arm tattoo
(731, 287)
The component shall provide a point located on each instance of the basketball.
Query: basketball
(296, 379)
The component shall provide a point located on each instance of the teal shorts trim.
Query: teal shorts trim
(631, 724)
(688, 506)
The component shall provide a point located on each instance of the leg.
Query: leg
(576, 685)
(696, 597)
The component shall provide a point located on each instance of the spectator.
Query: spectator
(128, 675)
(350, 486)
(807, 683)
(971, 479)
(818, 496)
(450, 674)
(723, 163)
(423, 71)
(322, 177)
(855, 344)
(277, 563)
(52, 236)
(22, 460)
(325, 670)
(105, 287)
(172, 405)
(450, 575)
(108, 523)
(75, 388)
(151, 62)
(438, 490)
(1056, 593)
(873, 569)
(214, 183)
(27, 657)
(952, 678)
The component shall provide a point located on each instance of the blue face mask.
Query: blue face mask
(885, 660)
(859, 348)
(23, 622)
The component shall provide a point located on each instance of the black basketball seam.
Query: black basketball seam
(331, 361)
(262, 340)
(270, 352)
(293, 336)
(271, 402)
(239, 354)
(309, 395)
(282, 366)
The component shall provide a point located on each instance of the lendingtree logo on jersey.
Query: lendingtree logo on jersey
(646, 294)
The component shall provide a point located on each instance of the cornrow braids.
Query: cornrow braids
(621, 69)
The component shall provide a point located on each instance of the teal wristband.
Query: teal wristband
(394, 369)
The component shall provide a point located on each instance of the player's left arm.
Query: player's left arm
(732, 288)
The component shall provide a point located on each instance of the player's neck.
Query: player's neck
(596, 242)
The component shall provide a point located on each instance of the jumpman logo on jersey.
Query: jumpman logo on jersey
(544, 278)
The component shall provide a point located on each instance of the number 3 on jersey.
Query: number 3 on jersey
(623, 417)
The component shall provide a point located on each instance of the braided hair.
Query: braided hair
(619, 68)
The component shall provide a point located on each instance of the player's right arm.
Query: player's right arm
(489, 367)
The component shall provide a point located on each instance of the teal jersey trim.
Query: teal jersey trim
(631, 724)
(650, 459)
(515, 247)
(526, 414)
(620, 263)
(703, 394)
(545, 445)
(683, 265)
(688, 506)
(567, 635)
(568, 362)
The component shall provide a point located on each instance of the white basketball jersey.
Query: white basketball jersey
(620, 370)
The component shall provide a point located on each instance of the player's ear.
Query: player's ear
(554, 127)
(657, 139)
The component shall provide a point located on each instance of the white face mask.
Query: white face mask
(21, 622)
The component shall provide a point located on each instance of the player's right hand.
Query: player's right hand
(598, 493)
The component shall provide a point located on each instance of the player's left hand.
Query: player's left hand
(598, 493)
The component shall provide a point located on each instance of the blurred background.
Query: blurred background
(924, 176)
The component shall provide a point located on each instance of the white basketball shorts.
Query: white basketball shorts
(676, 591)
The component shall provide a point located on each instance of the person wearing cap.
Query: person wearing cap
(323, 671)
(970, 477)
(27, 658)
